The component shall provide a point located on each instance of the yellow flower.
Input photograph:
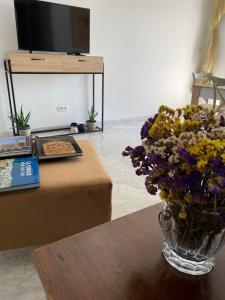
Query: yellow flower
(188, 198)
(162, 195)
(185, 167)
(201, 164)
(194, 150)
(223, 157)
(182, 213)
(153, 129)
(206, 150)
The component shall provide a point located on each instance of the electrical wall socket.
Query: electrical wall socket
(62, 108)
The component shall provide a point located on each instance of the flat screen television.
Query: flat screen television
(47, 26)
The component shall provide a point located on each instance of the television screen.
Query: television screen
(45, 26)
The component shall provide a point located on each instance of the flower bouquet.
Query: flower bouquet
(183, 156)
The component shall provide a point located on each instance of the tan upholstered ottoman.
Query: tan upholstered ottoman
(75, 195)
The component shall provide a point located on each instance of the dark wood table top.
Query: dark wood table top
(122, 260)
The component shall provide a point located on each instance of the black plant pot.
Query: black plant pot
(73, 125)
(82, 128)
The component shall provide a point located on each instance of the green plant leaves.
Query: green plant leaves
(92, 115)
(20, 119)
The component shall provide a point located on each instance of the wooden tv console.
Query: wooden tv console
(32, 63)
(45, 63)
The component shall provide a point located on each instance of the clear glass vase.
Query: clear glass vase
(192, 238)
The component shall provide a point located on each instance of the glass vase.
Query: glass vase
(192, 238)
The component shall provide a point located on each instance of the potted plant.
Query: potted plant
(22, 122)
(182, 157)
(91, 122)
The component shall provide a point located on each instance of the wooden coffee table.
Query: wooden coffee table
(122, 260)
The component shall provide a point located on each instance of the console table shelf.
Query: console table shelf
(65, 131)
(23, 63)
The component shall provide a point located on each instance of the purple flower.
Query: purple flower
(213, 188)
(221, 182)
(191, 181)
(222, 217)
(150, 187)
(139, 172)
(128, 151)
(155, 117)
(165, 181)
(145, 166)
(218, 167)
(187, 156)
(135, 162)
(194, 178)
(179, 184)
(138, 151)
(129, 148)
(144, 131)
(154, 175)
(155, 159)
(222, 121)
(151, 120)
(145, 128)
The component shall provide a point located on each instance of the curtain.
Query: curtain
(210, 58)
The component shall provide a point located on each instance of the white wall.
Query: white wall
(150, 49)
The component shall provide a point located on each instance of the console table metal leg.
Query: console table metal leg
(9, 96)
(103, 91)
(93, 84)
(13, 94)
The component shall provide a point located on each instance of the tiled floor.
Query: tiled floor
(18, 277)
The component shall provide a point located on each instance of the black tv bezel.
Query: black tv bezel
(75, 51)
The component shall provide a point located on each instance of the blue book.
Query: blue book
(19, 173)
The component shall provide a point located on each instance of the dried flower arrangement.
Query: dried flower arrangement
(183, 156)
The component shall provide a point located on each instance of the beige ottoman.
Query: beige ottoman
(75, 195)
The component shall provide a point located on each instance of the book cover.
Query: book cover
(19, 173)
(15, 146)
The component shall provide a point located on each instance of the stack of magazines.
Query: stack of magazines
(18, 168)
(19, 156)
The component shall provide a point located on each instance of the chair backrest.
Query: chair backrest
(218, 95)
(217, 81)
(201, 77)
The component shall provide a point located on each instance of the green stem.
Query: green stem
(215, 204)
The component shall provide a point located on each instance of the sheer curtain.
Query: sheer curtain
(210, 58)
